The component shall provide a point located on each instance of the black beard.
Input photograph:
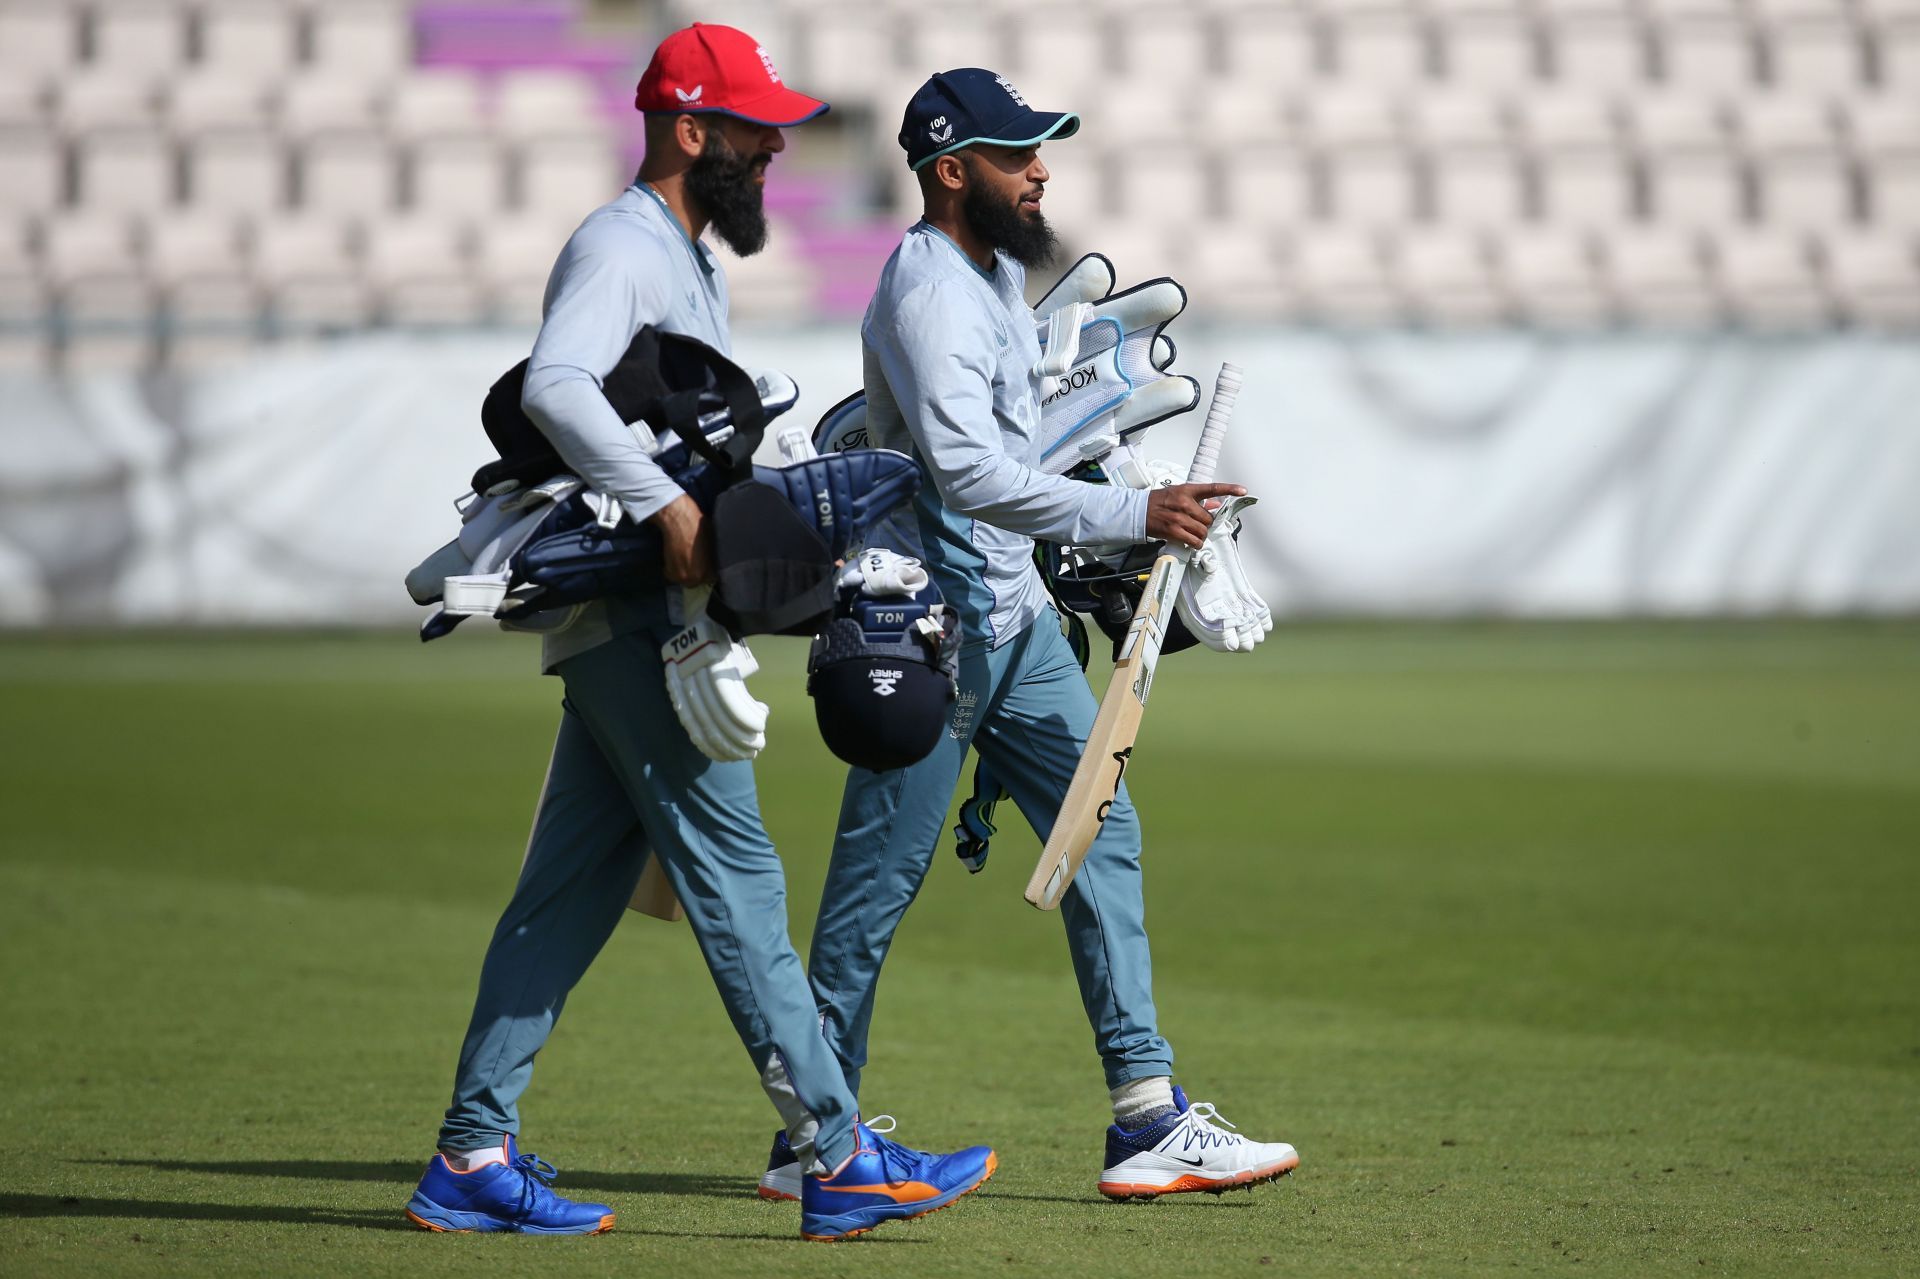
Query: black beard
(720, 184)
(1027, 239)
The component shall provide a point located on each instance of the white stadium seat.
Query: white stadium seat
(964, 36)
(371, 41)
(437, 102)
(249, 39)
(1447, 278)
(1658, 278)
(458, 176)
(23, 102)
(844, 43)
(1171, 187)
(1811, 46)
(1893, 36)
(1271, 186)
(208, 295)
(776, 284)
(1377, 42)
(104, 100)
(41, 37)
(1236, 271)
(1487, 44)
(541, 103)
(1875, 280)
(1122, 117)
(310, 275)
(1474, 175)
(236, 170)
(1885, 131)
(568, 177)
(1370, 178)
(1766, 281)
(1803, 180)
(1705, 46)
(1160, 44)
(348, 173)
(320, 103)
(1594, 45)
(123, 170)
(142, 37)
(1235, 111)
(214, 100)
(1276, 45)
(1343, 279)
(103, 294)
(31, 174)
(419, 269)
(513, 257)
(1549, 278)
(1694, 179)
(1584, 178)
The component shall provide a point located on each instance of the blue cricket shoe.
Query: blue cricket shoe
(885, 1181)
(512, 1196)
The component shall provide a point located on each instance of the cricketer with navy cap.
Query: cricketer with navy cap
(625, 781)
(950, 347)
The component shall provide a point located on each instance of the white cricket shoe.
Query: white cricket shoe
(783, 1178)
(1187, 1150)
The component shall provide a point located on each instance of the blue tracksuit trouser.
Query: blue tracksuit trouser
(626, 783)
(1025, 706)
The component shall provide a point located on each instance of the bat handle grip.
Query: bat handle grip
(1226, 389)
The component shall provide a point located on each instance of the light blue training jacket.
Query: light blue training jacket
(949, 352)
(628, 265)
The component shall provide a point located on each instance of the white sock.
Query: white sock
(468, 1160)
(1139, 1097)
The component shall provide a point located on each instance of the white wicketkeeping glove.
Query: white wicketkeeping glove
(878, 571)
(1105, 358)
(707, 680)
(1217, 602)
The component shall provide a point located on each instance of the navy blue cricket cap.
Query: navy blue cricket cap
(958, 108)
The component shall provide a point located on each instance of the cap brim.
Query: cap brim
(781, 109)
(1024, 130)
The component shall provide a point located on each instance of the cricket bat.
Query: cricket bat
(1096, 780)
(654, 895)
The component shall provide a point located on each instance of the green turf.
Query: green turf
(1548, 946)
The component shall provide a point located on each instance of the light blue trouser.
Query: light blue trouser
(1027, 709)
(625, 781)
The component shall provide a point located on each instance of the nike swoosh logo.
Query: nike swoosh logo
(1192, 1163)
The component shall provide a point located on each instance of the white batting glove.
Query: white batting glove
(707, 679)
(1217, 602)
(878, 571)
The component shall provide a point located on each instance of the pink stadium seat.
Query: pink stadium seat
(1694, 180)
(123, 170)
(38, 37)
(348, 173)
(1344, 279)
(1594, 45)
(1658, 278)
(366, 39)
(139, 37)
(236, 170)
(249, 39)
(1485, 44)
(435, 103)
(1803, 180)
(1447, 278)
(1875, 279)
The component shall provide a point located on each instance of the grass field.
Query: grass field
(1548, 946)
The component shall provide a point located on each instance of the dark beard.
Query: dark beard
(1027, 240)
(720, 184)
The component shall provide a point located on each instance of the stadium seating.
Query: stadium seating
(289, 165)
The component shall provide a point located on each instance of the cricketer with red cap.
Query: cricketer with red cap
(626, 782)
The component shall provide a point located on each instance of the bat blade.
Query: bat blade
(1103, 764)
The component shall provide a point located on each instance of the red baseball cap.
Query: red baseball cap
(719, 69)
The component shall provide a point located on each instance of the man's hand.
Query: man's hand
(687, 541)
(1179, 513)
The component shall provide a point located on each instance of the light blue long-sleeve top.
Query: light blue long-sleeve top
(628, 265)
(949, 352)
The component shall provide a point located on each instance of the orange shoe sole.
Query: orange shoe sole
(993, 1164)
(606, 1224)
(776, 1196)
(1120, 1190)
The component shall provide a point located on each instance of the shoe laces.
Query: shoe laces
(534, 1172)
(899, 1162)
(1201, 1122)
